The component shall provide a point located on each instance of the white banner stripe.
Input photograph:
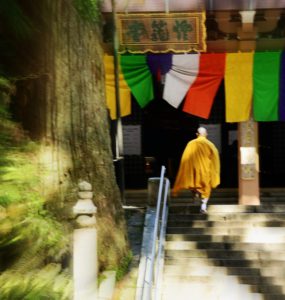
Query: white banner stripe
(179, 79)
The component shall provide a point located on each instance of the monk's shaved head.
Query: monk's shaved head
(202, 131)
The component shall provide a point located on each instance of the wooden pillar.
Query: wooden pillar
(248, 131)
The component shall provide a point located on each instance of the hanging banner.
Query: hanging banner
(161, 33)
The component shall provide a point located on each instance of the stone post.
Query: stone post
(85, 265)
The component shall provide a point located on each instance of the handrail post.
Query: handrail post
(149, 275)
(159, 262)
(152, 253)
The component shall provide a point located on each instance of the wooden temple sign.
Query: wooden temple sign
(161, 33)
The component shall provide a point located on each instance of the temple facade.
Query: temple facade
(155, 132)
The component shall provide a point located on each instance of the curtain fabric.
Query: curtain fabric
(238, 86)
(124, 91)
(138, 77)
(266, 73)
(282, 89)
(159, 63)
(181, 76)
(200, 97)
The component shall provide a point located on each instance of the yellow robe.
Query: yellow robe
(199, 167)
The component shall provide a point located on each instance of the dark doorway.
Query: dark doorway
(272, 154)
(167, 130)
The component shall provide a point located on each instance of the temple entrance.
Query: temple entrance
(271, 154)
(166, 131)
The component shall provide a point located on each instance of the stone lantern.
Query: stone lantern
(85, 264)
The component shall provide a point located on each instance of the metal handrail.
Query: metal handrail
(155, 260)
(161, 242)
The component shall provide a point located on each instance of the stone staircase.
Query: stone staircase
(126, 288)
(219, 196)
(234, 252)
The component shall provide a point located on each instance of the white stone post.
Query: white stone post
(85, 265)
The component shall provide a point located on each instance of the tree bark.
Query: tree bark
(63, 106)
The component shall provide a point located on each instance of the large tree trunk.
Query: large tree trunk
(63, 107)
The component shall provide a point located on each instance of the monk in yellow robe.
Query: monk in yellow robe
(199, 168)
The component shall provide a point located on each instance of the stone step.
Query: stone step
(191, 200)
(207, 270)
(236, 267)
(202, 270)
(250, 237)
(190, 245)
(227, 217)
(228, 223)
(229, 199)
(212, 209)
(218, 191)
(234, 252)
(242, 232)
(183, 294)
(208, 280)
(226, 254)
(218, 290)
(234, 191)
(197, 262)
(215, 193)
(143, 201)
(267, 195)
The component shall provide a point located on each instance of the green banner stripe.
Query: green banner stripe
(138, 77)
(266, 71)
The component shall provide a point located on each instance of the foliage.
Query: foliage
(33, 243)
(5, 84)
(123, 267)
(89, 10)
(15, 20)
(46, 283)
